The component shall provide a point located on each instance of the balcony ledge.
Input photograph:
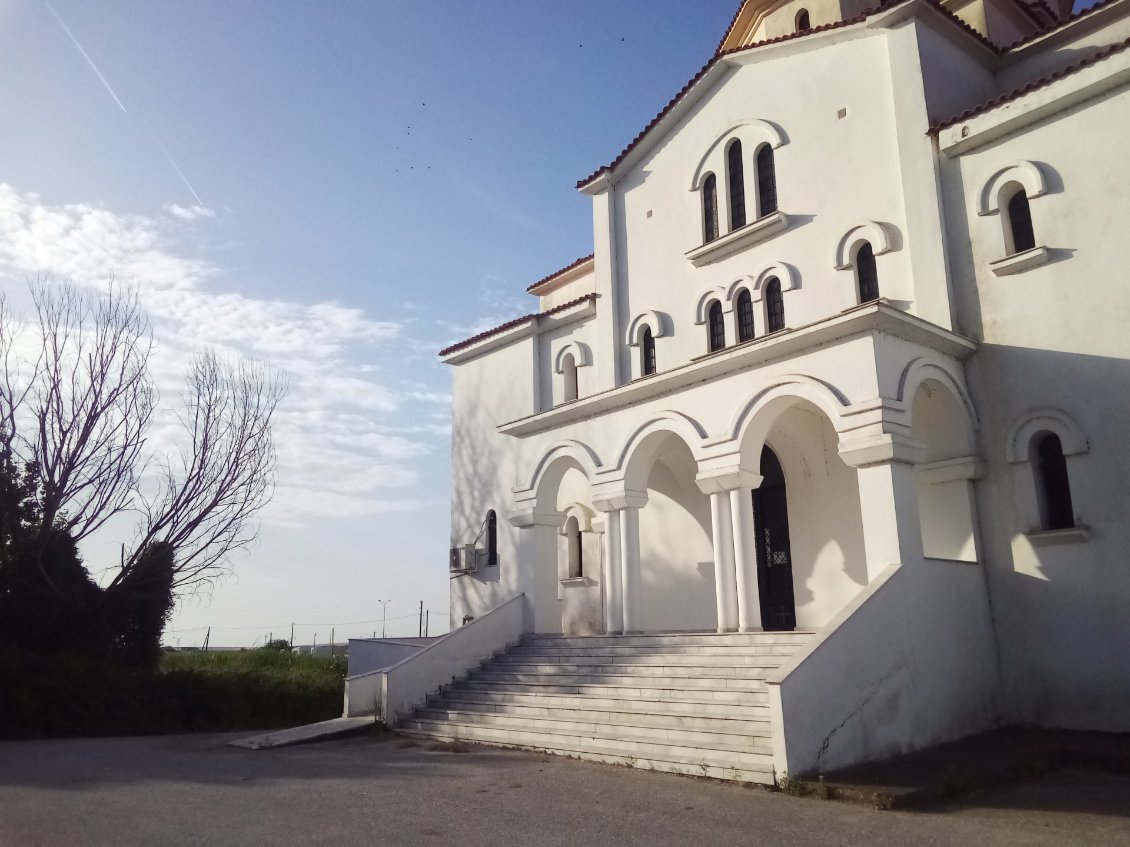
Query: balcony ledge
(733, 242)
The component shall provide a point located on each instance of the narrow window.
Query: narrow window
(492, 537)
(576, 555)
(745, 316)
(802, 22)
(647, 352)
(710, 208)
(716, 326)
(774, 305)
(1053, 488)
(1019, 224)
(866, 277)
(736, 174)
(766, 182)
(569, 374)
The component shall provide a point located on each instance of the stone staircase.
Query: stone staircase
(685, 703)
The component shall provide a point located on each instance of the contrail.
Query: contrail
(121, 105)
(89, 61)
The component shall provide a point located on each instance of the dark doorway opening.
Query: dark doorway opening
(774, 554)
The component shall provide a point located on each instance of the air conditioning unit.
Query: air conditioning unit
(463, 559)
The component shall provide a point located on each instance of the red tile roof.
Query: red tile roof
(516, 322)
(564, 270)
(730, 28)
(881, 7)
(1035, 84)
(1050, 28)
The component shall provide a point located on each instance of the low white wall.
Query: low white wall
(910, 662)
(395, 691)
(373, 654)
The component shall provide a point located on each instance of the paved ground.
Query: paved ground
(194, 790)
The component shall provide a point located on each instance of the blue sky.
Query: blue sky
(342, 188)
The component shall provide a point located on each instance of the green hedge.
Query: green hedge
(66, 696)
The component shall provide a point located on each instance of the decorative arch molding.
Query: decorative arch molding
(582, 513)
(657, 322)
(879, 235)
(752, 130)
(1071, 435)
(683, 427)
(704, 300)
(1028, 174)
(751, 425)
(582, 356)
(922, 369)
(564, 454)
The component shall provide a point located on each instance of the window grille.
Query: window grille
(867, 277)
(735, 172)
(717, 327)
(745, 316)
(766, 182)
(1020, 222)
(647, 352)
(774, 305)
(710, 208)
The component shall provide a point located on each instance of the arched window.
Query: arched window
(716, 327)
(766, 182)
(866, 277)
(575, 548)
(569, 375)
(802, 21)
(774, 305)
(492, 537)
(647, 352)
(744, 308)
(1053, 489)
(1018, 232)
(735, 173)
(709, 208)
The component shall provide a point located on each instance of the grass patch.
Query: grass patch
(65, 696)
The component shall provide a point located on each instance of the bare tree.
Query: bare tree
(76, 412)
(224, 474)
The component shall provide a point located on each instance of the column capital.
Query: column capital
(881, 449)
(613, 501)
(718, 480)
(524, 518)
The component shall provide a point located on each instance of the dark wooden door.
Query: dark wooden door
(774, 556)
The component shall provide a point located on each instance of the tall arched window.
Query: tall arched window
(647, 352)
(735, 173)
(716, 327)
(802, 21)
(575, 548)
(866, 277)
(774, 305)
(1018, 222)
(766, 182)
(1053, 488)
(569, 375)
(709, 208)
(744, 309)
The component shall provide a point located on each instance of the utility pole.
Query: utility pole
(427, 618)
(292, 635)
(420, 631)
(384, 618)
(331, 642)
(207, 636)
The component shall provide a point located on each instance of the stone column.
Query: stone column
(630, 567)
(621, 558)
(725, 580)
(735, 562)
(745, 558)
(888, 499)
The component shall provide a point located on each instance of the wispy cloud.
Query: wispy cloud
(189, 213)
(345, 440)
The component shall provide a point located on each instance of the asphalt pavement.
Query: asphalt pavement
(195, 790)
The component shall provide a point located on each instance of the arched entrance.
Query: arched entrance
(774, 550)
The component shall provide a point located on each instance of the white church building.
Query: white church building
(830, 436)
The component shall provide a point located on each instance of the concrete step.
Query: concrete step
(555, 669)
(693, 735)
(746, 724)
(464, 698)
(753, 681)
(524, 657)
(666, 641)
(688, 655)
(652, 691)
(602, 744)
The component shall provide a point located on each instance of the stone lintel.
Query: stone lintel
(718, 480)
(880, 449)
